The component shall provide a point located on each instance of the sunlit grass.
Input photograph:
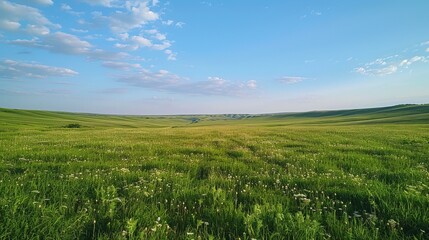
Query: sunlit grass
(236, 179)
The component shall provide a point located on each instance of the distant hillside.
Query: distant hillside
(410, 114)
(32, 118)
(406, 113)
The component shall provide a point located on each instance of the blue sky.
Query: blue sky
(184, 57)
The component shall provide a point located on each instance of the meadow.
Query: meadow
(353, 174)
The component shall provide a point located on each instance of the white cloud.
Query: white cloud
(166, 81)
(312, 13)
(129, 17)
(180, 24)
(100, 54)
(377, 71)
(37, 30)
(68, 9)
(161, 46)
(123, 46)
(316, 13)
(408, 62)
(124, 36)
(388, 65)
(168, 22)
(12, 14)
(171, 22)
(26, 42)
(66, 43)
(291, 80)
(69, 44)
(122, 65)
(78, 30)
(170, 55)
(251, 84)
(105, 3)
(207, 4)
(137, 15)
(10, 69)
(218, 86)
(145, 78)
(156, 35)
(136, 42)
(127, 20)
(141, 41)
(9, 25)
(43, 2)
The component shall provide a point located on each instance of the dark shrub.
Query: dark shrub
(73, 125)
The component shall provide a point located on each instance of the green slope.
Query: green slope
(32, 118)
(349, 174)
(410, 114)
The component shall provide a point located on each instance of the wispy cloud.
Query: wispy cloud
(426, 44)
(10, 69)
(151, 39)
(43, 2)
(207, 3)
(64, 43)
(8, 25)
(67, 8)
(180, 24)
(315, 13)
(171, 55)
(291, 79)
(78, 30)
(408, 62)
(58, 42)
(136, 15)
(125, 66)
(126, 22)
(388, 65)
(251, 84)
(172, 23)
(168, 22)
(14, 16)
(163, 80)
(105, 3)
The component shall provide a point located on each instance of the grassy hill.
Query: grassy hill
(13, 118)
(349, 174)
(410, 114)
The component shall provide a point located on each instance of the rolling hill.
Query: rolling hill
(409, 114)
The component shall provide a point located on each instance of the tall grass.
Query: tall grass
(214, 181)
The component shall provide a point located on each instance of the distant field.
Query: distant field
(352, 174)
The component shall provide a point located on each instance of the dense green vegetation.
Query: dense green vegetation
(354, 174)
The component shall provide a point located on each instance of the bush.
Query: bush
(73, 125)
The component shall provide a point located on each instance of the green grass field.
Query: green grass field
(353, 174)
